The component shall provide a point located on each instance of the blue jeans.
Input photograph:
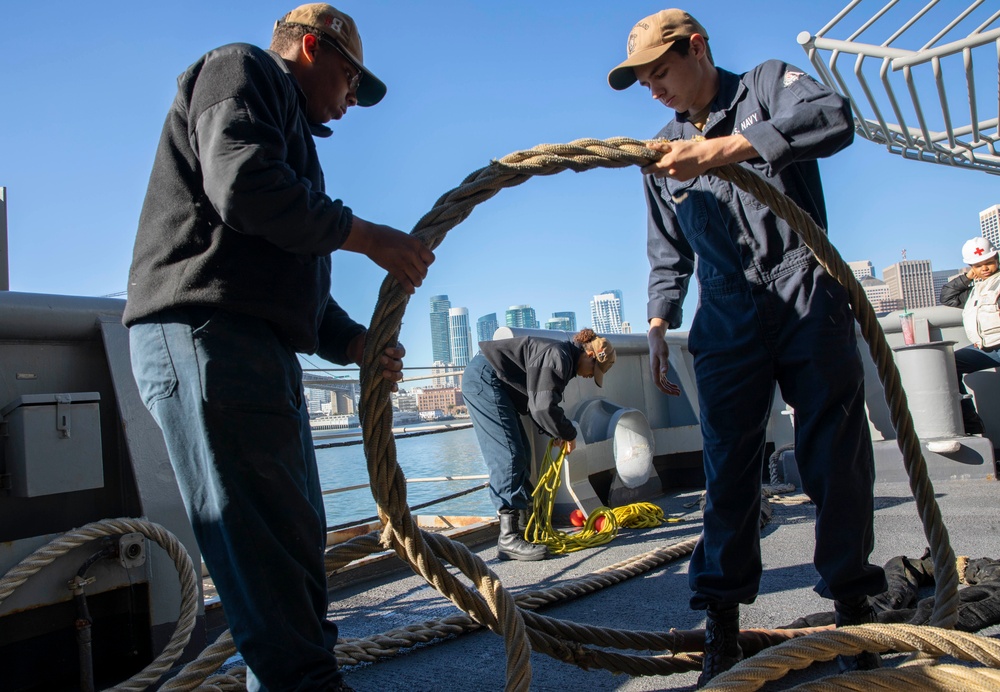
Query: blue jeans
(972, 359)
(501, 435)
(796, 332)
(227, 393)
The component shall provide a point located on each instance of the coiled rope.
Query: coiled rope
(600, 527)
(113, 527)
(492, 605)
(487, 603)
(540, 528)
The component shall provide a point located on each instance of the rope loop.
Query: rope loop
(487, 602)
(387, 480)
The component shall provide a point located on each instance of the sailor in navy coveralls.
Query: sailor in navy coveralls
(768, 313)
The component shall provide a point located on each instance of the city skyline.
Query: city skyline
(461, 348)
(76, 183)
(914, 283)
(918, 285)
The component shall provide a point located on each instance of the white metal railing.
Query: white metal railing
(4, 263)
(908, 78)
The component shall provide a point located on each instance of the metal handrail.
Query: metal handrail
(972, 142)
(435, 479)
(422, 505)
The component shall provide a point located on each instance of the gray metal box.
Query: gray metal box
(53, 443)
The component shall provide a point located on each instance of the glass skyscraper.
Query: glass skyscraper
(461, 336)
(570, 318)
(521, 316)
(560, 323)
(486, 326)
(440, 335)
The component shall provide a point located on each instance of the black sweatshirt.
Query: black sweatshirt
(535, 371)
(235, 215)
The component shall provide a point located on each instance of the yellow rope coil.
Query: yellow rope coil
(601, 526)
(640, 515)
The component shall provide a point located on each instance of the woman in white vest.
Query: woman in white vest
(981, 317)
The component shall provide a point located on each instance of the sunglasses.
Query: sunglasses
(353, 80)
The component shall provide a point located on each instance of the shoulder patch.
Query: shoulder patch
(791, 77)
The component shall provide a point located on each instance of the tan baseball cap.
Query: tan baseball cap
(342, 30)
(650, 39)
(604, 357)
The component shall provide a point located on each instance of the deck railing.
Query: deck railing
(889, 106)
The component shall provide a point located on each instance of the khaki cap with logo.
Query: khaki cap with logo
(604, 357)
(342, 30)
(650, 39)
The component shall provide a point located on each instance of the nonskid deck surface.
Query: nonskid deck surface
(657, 600)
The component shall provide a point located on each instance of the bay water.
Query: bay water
(449, 453)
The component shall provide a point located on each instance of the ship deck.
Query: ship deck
(657, 600)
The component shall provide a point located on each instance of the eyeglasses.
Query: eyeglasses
(353, 80)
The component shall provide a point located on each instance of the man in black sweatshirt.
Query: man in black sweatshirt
(230, 279)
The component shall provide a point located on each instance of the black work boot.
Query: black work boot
(722, 642)
(851, 612)
(970, 418)
(512, 545)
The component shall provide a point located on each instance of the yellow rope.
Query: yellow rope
(541, 530)
(641, 515)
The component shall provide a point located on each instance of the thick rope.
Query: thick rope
(753, 673)
(489, 603)
(388, 482)
(112, 527)
(197, 673)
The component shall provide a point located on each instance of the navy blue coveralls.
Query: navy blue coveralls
(767, 314)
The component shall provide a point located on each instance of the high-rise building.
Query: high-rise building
(558, 323)
(989, 224)
(521, 316)
(440, 336)
(486, 326)
(607, 312)
(879, 296)
(461, 336)
(404, 400)
(941, 278)
(862, 269)
(912, 282)
(315, 398)
(443, 375)
(571, 316)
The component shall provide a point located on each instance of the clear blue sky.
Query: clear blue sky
(85, 89)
